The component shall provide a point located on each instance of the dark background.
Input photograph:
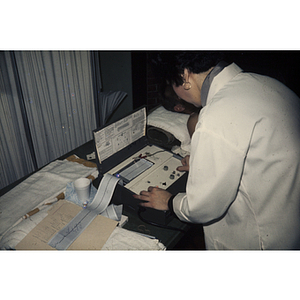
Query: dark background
(282, 65)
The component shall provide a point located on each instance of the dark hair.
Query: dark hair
(169, 100)
(170, 65)
(168, 97)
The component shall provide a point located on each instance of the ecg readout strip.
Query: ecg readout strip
(66, 236)
(113, 212)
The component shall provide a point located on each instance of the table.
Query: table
(170, 238)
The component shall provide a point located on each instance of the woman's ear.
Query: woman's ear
(186, 79)
(186, 75)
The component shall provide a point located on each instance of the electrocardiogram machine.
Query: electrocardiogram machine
(123, 150)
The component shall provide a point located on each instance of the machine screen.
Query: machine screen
(133, 170)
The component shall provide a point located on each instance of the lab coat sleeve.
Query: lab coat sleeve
(216, 167)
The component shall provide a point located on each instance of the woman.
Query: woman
(243, 183)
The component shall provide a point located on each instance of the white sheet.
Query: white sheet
(43, 186)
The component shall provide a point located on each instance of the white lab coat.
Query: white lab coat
(244, 179)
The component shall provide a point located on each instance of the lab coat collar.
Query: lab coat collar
(220, 79)
(208, 80)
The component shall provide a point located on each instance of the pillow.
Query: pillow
(173, 122)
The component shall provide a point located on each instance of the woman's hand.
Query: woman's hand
(185, 164)
(156, 198)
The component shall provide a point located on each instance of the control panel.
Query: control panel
(151, 166)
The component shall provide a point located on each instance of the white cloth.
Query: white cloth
(123, 239)
(173, 122)
(244, 179)
(39, 188)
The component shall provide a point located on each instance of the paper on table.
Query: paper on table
(92, 238)
(66, 236)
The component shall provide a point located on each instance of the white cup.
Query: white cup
(82, 188)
